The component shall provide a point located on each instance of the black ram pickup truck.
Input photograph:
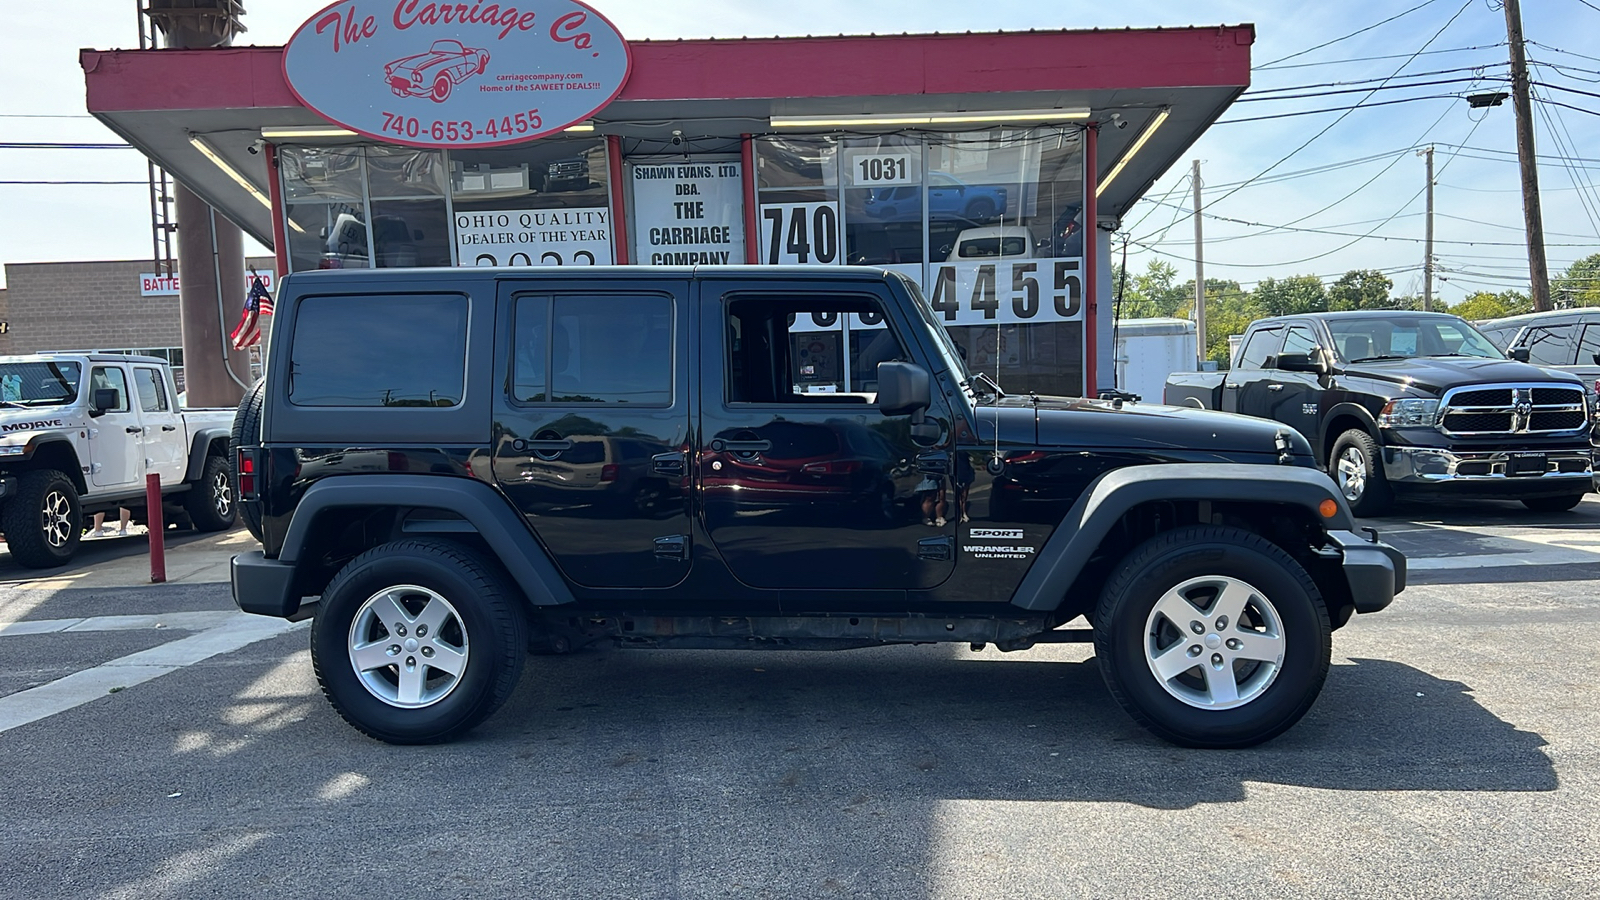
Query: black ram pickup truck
(757, 458)
(1410, 402)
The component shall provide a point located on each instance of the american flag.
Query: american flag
(257, 303)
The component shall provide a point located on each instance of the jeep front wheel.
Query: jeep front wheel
(417, 641)
(43, 521)
(1212, 637)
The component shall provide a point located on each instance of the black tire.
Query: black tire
(1369, 494)
(981, 210)
(246, 432)
(43, 521)
(211, 502)
(1553, 504)
(1279, 596)
(485, 620)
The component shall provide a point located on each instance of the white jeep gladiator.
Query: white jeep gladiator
(78, 434)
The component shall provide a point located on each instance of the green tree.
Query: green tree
(1579, 285)
(1361, 289)
(1291, 296)
(1485, 305)
(1229, 310)
(1153, 293)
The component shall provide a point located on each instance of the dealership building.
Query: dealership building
(990, 167)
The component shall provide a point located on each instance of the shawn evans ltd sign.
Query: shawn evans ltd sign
(456, 74)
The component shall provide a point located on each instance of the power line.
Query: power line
(1351, 34)
(1257, 98)
(1356, 59)
(1254, 92)
(1344, 109)
(1345, 113)
(60, 145)
(146, 183)
(1559, 50)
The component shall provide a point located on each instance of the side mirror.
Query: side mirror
(1520, 354)
(103, 401)
(1300, 362)
(903, 388)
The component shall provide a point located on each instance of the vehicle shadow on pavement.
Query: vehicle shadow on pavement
(676, 774)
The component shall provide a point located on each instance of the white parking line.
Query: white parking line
(1498, 560)
(239, 630)
(182, 621)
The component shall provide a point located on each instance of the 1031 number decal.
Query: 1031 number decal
(992, 293)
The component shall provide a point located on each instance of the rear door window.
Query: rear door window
(1258, 346)
(379, 351)
(593, 350)
(1589, 350)
(1550, 345)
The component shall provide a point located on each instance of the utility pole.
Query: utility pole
(1427, 253)
(1199, 276)
(1538, 269)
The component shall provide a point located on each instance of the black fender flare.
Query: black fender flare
(1347, 408)
(75, 473)
(1111, 495)
(200, 448)
(486, 510)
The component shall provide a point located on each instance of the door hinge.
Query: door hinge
(941, 549)
(673, 546)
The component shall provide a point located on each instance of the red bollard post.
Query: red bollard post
(158, 528)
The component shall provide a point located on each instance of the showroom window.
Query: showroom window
(539, 204)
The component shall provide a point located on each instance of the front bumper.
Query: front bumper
(1374, 570)
(1484, 473)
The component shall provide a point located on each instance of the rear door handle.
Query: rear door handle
(550, 446)
(169, 428)
(133, 430)
(720, 445)
(1274, 387)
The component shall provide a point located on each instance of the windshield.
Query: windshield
(38, 383)
(1408, 337)
(943, 345)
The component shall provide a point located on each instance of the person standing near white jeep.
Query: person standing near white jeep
(78, 434)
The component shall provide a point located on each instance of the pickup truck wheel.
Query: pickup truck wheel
(43, 521)
(247, 432)
(209, 501)
(1553, 504)
(1356, 465)
(417, 641)
(1212, 637)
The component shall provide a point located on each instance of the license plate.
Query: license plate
(1526, 464)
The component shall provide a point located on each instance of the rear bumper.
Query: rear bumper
(1483, 473)
(264, 586)
(1374, 570)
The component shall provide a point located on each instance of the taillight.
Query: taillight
(610, 472)
(247, 474)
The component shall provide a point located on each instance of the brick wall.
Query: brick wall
(89, 306)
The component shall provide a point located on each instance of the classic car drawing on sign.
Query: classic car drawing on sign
(435, 74)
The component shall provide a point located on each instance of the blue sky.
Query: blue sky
(1479, 208)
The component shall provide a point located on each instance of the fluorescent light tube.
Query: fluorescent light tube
(1138, 142)
(932, 118)
(230, 171)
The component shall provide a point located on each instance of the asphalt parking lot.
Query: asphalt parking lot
(156, 744)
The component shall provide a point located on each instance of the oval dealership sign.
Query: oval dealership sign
(429, 74)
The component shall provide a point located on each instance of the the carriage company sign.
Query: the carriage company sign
(456, 74)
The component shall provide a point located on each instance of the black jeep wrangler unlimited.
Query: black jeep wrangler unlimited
(465, 464)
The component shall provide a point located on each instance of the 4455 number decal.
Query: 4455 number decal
(1018, 291)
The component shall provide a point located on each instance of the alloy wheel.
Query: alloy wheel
(1352, 473)
(222, 494)
(408, 646)
(1214, 642)
(56, 518)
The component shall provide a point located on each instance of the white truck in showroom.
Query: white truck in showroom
(78, 434)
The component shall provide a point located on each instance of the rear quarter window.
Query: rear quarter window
(379, 351)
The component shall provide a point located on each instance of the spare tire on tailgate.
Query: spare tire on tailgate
(247, 433)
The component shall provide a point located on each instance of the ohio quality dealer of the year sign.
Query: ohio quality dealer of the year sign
(427, 74)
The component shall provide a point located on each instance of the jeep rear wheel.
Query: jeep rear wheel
(1213, 637)
(417, 641)
(43, 521)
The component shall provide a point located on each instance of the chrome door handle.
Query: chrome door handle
(1274, 387)
(1232, 386)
